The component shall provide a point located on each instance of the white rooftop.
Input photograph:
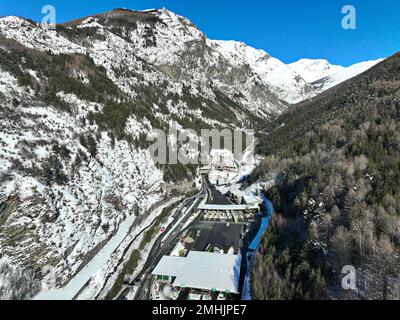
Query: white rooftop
(202, 270)
(252, 202)
(223, 207)
(248, 196)
(170, 266)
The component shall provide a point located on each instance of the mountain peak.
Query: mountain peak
(313, 61)
(314, 69)
(234, 48)
(282, 80)
(15, 20)
(117, 15)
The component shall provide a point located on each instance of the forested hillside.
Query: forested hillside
(335, 162)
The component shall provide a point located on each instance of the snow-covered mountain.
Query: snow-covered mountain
(75, 107)
(312, 70)
(343, 75)
(282, 80)
(322, 75)
(76, 104)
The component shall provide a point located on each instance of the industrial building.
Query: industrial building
(203, 271)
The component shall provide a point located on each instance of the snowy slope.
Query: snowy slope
(33, 36)
(161, 47)
(312, 70)
(54, 226)
(343, 75)
(282, 80)
(322, 75)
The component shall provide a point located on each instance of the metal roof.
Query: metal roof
(170, 266)
(202, 270)
(235, 207)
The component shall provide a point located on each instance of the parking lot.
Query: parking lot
(218, 237)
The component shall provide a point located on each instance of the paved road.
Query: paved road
(215, 196)
(161, 249)
(157, 252)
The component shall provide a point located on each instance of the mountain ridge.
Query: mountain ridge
(293, 90)
(335, 191)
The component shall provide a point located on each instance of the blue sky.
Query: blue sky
(287, 29)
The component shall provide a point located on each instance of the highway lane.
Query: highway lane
(215, 196)
(160, 249)
(158, 252)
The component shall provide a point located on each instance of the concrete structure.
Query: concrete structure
(221, 207)
(204, 170)
(221, 181)
(201, 270)
(240, 200)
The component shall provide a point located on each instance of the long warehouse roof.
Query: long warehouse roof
(217, 207)
(202, 270)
